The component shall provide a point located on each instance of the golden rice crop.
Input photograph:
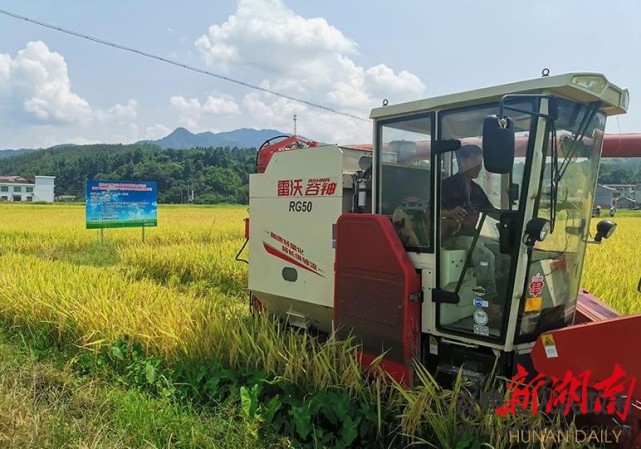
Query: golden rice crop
(54, 270)
(612, 269)
(182, 294)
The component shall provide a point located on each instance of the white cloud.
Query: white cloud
(327, 127)
(382, 82)
(119, 113)
(156, 131)
(262, 42)
(36, 85)
(191, 110)
(304, 58)
(221, 106)
(267, 24)
(35, 88)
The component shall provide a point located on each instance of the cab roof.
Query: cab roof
(579, 86)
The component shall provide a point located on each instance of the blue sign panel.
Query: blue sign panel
(121, 204)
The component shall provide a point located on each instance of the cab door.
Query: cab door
(474, 207)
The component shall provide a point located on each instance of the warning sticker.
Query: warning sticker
(536, 285)
(480, 302)
(479, 329)
(480, 317)
(533, 304)
(550, 347)
(433, 345)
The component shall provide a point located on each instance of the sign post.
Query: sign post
(121, 204)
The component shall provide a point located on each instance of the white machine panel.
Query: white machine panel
(293, 207)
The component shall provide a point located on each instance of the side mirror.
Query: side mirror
(498, 144)
(535, 231)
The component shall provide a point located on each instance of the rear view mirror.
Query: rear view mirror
(498, 144)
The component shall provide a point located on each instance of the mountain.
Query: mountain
(183, 139)
(9, 153)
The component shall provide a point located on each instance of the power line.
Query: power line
(179, 64)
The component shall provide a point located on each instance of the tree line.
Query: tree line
(215, 175)
(620, 171)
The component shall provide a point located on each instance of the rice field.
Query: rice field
(612, 270)
(182, 295)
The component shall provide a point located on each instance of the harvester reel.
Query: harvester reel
(268, 142)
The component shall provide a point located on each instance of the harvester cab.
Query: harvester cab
(456, 240)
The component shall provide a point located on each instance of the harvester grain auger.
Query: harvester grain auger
(457, 239)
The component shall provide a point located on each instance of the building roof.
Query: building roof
(15, 179)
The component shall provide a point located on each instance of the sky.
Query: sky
(348, 56)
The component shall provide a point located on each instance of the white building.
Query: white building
(604, 196)
(626, 190)
(17, 188)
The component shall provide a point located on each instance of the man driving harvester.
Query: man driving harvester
(462, 201)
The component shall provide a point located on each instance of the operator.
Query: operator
(462, 200)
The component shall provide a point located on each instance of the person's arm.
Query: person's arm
(456, 213)
(489, 208)
(449, 207)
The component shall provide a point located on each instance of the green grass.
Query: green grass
(45, 404)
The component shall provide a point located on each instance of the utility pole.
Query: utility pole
(294, 124)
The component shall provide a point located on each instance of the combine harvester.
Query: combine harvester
(364, 240)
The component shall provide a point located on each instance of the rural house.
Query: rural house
(17, 188)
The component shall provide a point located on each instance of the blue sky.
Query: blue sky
(56, 88)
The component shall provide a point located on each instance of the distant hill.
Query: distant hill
(182, 139)
(9, 153)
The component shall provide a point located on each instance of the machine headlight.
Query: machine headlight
(536, 230)
(544, 231)
(593, 83)
(625, 99)
(604, 229)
